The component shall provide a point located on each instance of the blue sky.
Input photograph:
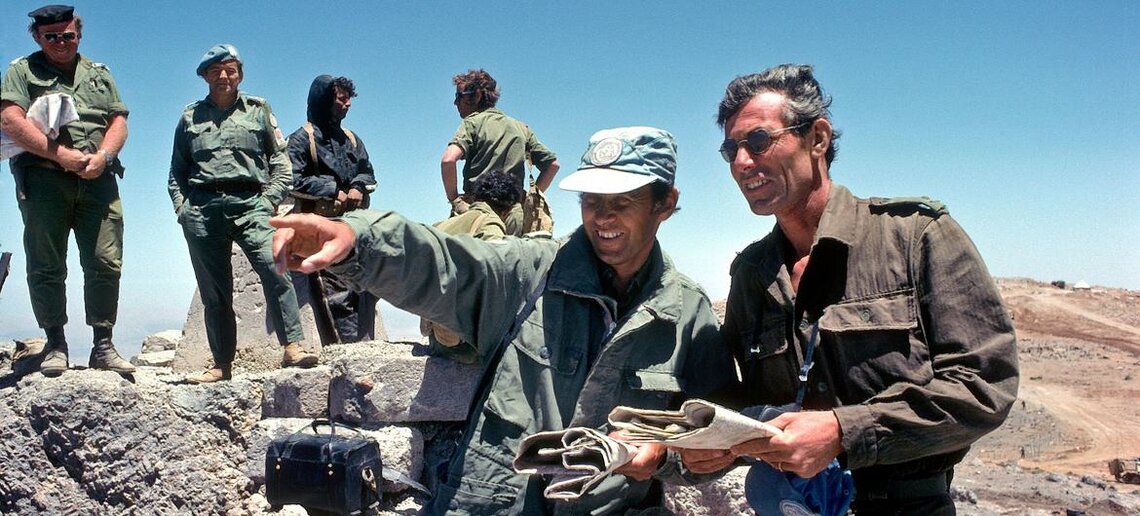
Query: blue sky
(1020, 116)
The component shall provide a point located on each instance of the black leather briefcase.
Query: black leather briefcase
(324, 471)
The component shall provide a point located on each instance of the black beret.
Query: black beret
(50, 14)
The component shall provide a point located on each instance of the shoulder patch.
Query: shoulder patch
(255, 100)
(930, 206)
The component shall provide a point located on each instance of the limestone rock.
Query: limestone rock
(93, 442)
(722, 497)
(393, 383)
(154, 359)
(296, 393)
(162, 341)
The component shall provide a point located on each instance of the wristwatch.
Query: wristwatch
(108, 156)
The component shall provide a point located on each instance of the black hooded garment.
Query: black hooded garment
(340, 164)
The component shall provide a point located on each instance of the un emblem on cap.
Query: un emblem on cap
(605, 152)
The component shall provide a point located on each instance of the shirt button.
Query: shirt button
(821, 387)
(453, 505)
(544, 352)
(803, 325)
(865, 315)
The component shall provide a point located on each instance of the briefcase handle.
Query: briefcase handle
(317, 423)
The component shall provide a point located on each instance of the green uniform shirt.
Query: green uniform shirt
(92, 88)
(494, 141)
(239, 144)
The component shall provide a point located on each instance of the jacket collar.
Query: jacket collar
(837, 222)
(574, 272)
(491, 111)
(836, 228)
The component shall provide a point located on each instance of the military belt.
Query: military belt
(902, 488)
(228, 186)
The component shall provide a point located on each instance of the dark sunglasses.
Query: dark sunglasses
(461, 94)
(756, 142)
(52, 37)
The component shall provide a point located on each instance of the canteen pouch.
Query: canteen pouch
(324, 471)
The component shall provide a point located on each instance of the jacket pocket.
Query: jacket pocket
(765, 338)
(526, 387)
(545, 351)
(473, 497)
(874, 342)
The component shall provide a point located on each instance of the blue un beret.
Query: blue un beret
(216, 54)
(50, 14)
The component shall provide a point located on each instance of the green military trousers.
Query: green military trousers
(54, 203)
(212, 222)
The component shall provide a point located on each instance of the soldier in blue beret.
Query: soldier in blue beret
(228, 172)
(68, 183)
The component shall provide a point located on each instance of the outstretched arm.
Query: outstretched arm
(308, 243)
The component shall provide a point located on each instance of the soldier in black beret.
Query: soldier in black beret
(68, 183)
(50, 14)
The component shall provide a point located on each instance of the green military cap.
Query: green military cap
(216, 54)
(50, 14)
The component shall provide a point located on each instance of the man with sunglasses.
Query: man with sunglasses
(914, 355)
(68, 183)
(489, 140)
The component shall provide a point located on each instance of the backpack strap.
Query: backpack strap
(313, 141)
(312, 144)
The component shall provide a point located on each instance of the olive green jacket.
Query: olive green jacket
(96, 102)
(239, 144)
(666, 349)
(916, 357)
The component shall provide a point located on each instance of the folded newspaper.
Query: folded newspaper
(575, 458)
(698, 424)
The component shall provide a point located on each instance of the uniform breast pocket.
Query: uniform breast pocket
(769, 364)
(873, 340)
(248, 136)
(525, 390)
(545, 350)
(203, 141)
(38, 87)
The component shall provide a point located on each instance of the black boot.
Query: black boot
(55, 353)
(104, 356)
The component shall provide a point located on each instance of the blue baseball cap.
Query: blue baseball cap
(624, 159)
(216, 54)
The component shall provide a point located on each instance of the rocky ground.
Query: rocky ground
(93, 442)
(1077, 407)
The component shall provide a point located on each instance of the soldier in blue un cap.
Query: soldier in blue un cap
(605, 320)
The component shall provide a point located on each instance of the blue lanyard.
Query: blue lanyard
(808, 351)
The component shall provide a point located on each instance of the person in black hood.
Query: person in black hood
(332, 176)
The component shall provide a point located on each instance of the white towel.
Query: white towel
(49, 114)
